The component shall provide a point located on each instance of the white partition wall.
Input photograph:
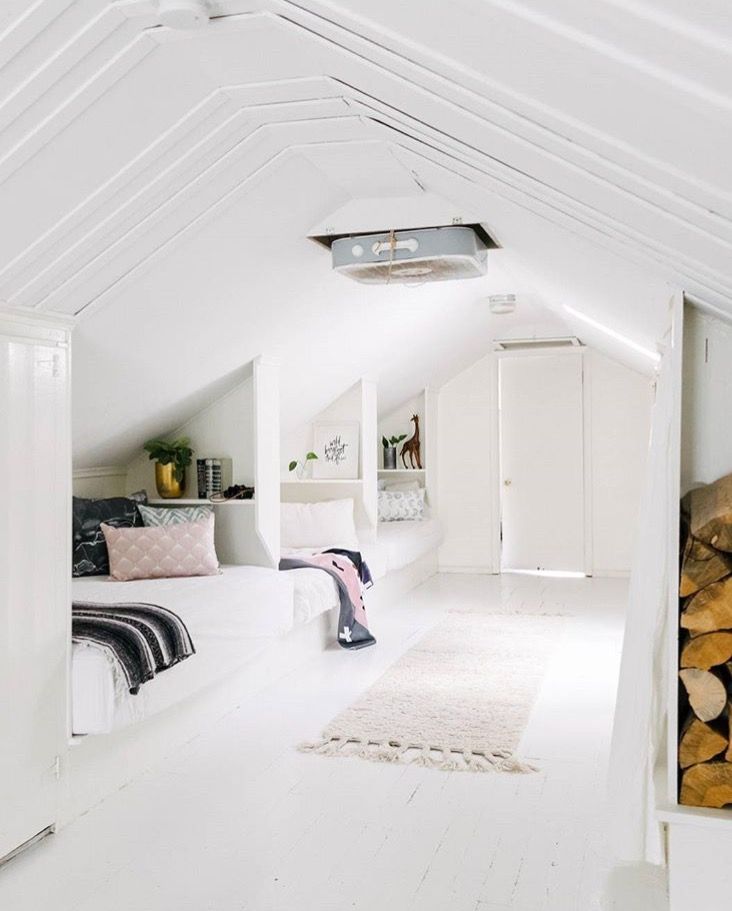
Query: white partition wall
(699, 840)
(267, 455)
(35, 479)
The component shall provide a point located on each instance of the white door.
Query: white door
(34, 577)
(542, 462)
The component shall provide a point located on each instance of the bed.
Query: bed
(402, 543)
(232, 617)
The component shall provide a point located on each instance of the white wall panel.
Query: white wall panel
(223, 429)
(35, 482)
(466, 447)
(620, 403)
(706, 439)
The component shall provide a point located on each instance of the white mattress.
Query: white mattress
(372, 553)
(231, 617)
(315, 593)
(403, 543)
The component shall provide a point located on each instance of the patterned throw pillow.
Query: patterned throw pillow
(400, 506)
(89, 550)
(162, 552)
(154, 516)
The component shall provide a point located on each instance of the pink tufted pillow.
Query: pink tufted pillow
(161, 552)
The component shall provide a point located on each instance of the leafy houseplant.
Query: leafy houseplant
(301, 466)
(390, 454)
(171, 460)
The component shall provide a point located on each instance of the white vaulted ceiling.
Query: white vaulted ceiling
(160, 185)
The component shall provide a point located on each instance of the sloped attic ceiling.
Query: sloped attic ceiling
(162, 184)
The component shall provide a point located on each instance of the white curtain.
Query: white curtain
(639, 730)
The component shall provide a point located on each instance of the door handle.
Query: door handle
(507, 482)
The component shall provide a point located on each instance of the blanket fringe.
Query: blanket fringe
(431, 757)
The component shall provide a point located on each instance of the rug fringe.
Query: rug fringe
(443, 758)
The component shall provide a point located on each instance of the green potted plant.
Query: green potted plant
(390, 453)
(301, 466)
(171, 460)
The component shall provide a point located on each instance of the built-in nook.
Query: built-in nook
(356, 406)
(397, 423)
(696, 773)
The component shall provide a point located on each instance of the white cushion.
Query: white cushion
(320, 525)
(406, 542)
(401, 486)
(401, 506)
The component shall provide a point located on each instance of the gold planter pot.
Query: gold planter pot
(168, 487)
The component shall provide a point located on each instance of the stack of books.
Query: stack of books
(214, 476)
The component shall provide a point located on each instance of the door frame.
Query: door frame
(495, 456)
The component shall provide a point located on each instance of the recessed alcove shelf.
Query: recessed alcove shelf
(197, 502)
(241, 424)
(401, 471)
(324, 481)
(398, 422)
(356, 405)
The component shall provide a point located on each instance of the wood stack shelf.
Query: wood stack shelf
(705, 647)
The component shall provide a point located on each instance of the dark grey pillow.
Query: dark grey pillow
(89, 549)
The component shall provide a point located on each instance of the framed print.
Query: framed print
(336, 445)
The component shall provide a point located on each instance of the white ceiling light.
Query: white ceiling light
(502, 303)
(611, 333)
(183, 14)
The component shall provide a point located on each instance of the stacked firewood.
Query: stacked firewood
(705, 649)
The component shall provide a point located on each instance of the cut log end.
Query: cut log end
(707, 785)
(710, 610)
(699, 743)
(707, 694)
(710, 513)
(708, 650)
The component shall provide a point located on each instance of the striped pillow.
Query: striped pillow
(154, 516)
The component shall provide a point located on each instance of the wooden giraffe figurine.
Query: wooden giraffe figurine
(412, 446)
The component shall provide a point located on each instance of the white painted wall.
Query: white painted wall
(617, 403)
(225, 429)
(618, 422)
(266, 395)
(468, 466)
(706, 439)
(357, 404)
(399, 421)
(300, 439)
(97, 483)
(35, 472)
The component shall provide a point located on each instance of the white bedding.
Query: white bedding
(405, 542)
(315, 593)
(231, 617)
(397, 545)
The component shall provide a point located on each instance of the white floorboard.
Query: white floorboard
(238, 820)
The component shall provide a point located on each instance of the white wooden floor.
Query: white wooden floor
(238, 820)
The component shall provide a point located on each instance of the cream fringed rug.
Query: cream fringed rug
(458, 700)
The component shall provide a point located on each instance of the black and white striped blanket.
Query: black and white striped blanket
(144, 638)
